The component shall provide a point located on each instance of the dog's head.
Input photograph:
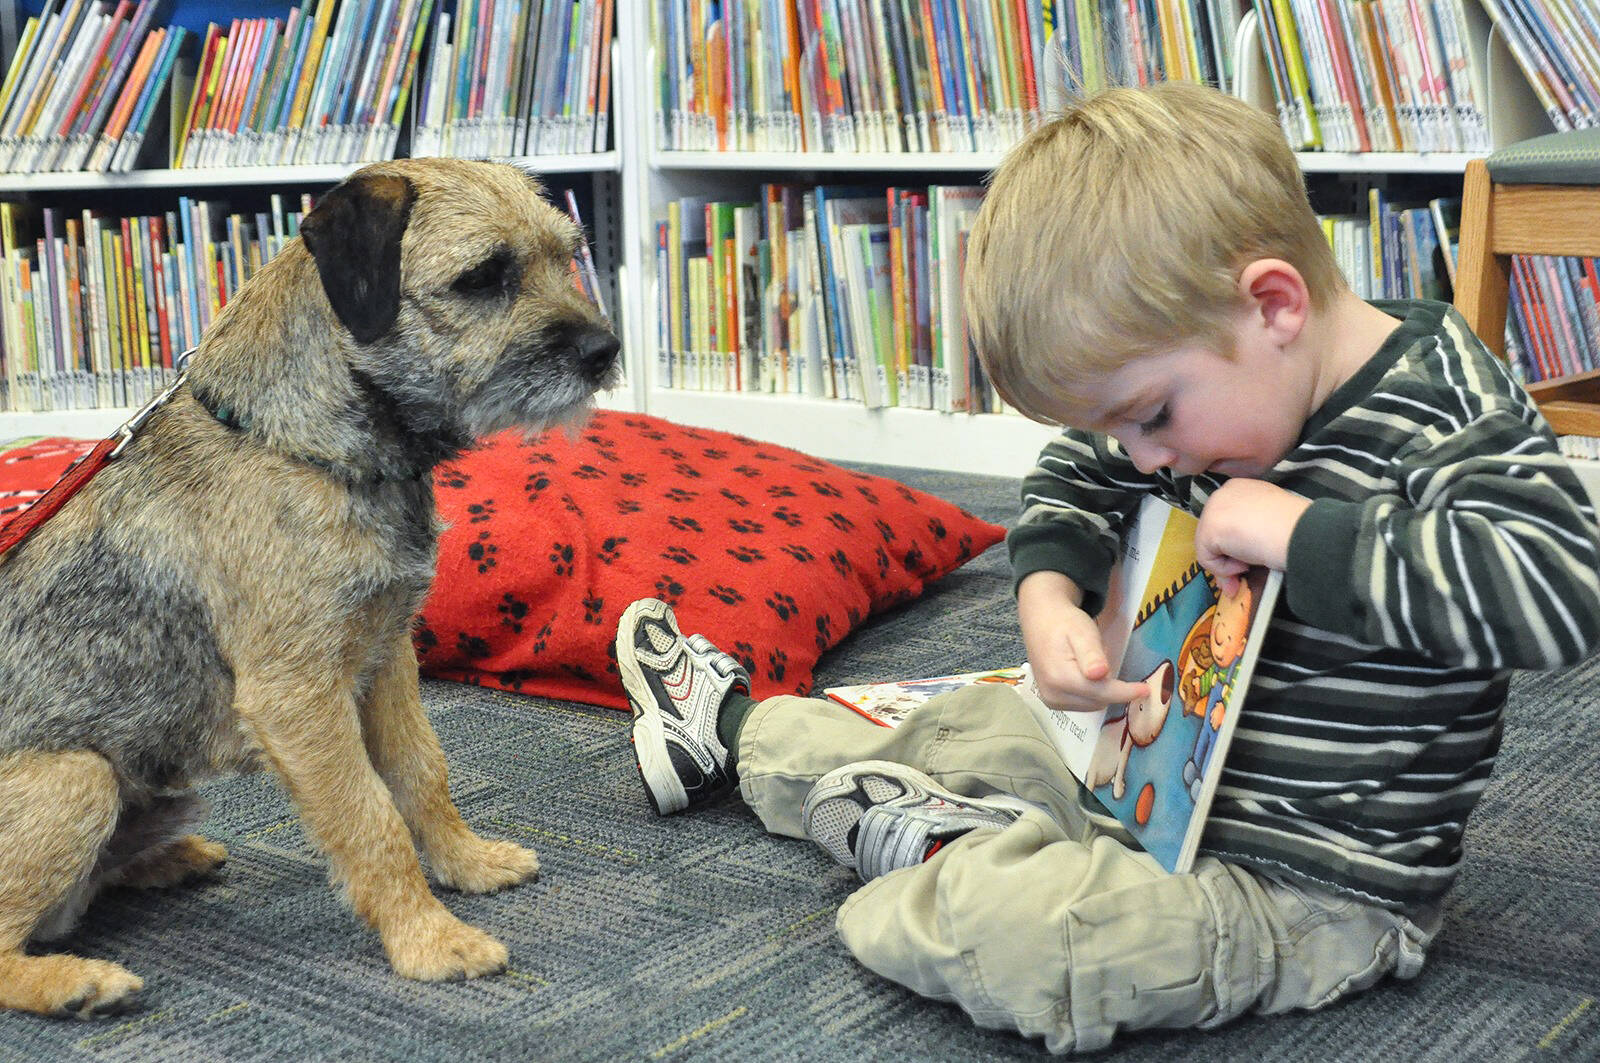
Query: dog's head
(454, 280)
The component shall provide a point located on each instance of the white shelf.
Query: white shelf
(1377, 162)
(1380, 162)
(75, 424)
(806, 162)
(989, 444)
(233, 176)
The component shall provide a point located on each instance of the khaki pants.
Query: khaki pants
(1056, 926)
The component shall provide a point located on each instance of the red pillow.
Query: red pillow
(27, 471)
(773, 555)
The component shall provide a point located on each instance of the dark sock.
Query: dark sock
(730, 717)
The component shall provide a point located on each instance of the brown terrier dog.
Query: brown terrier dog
(243, 579)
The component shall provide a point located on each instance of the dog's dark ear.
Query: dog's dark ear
(354, 235)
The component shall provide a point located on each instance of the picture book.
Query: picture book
(1153, 763)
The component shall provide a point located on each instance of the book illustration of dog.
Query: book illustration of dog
(1136, 728)
(240, 584)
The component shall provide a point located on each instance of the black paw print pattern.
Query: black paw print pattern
(734, 497)
(588, 472)
(425, 641)
(678, 555)
(481, 512)
(745, 654)
(593, 609)
(777, 665)
(535, 485)
(715, 454)
(452, 478)
(881, 556)
(610, 548)
(628, 506)
(669, 590)
(517, 678)
(747, 527)
(472, 647)
(561, 555)
(783, 605)
(747, 471)
(746, 554)
(824, 632)
(799, 553)
(885, 530)
(482, 552)
(687, 471)
(842, 522)
(826, 489)
(841, 562)
(513, 611)
(541, 638)
(867, 493)
(785, 515)
(937, 529)
(725, 594)
(680, 495)
(685, 524)
(914, 559)
(634, 479)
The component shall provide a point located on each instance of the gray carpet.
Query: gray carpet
(699, 937)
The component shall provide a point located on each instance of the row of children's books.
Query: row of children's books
(1378, 75)
(1557, 45)
(95, 310)
(834, 291)
(86, 86)
(1553, 324)
(912, 75)
(1398, 250)
(97, 85)
(518, 78)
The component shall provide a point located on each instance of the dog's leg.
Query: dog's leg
(57, 810)
(190, 856)
(405, 750)
(313, 737)
(153, 847)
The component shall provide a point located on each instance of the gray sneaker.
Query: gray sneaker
(876, 816)
(676, 685)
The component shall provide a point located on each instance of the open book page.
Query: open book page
(1154, 764)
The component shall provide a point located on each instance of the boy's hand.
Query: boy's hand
(1065, 652)
(1246, 523)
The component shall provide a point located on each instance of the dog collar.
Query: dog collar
(229, 418)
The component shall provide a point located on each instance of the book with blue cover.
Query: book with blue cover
(1154, 763)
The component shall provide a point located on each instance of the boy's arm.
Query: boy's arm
(1075, 503)
(1485, 558)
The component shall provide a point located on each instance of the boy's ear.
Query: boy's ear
(1277, 298)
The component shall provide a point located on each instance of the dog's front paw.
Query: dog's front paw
(481, 866)
(67, 987)
(442, 948)
(189, 857)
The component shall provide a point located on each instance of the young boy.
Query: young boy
(1146, 269)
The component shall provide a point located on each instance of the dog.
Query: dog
(240, 584)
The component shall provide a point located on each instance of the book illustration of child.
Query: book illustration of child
(1135, 728)
(1430, 539)
(1213, 650)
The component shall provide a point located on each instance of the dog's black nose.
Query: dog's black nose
(597, 350)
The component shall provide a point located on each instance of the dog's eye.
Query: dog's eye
(490, 277)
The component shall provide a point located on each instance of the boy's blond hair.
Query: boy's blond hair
(1120, 229)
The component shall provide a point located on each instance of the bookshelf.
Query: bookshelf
(631, 184)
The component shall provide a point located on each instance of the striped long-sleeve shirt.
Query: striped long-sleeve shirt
(1447, 544)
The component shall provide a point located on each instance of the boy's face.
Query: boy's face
(1193, 410)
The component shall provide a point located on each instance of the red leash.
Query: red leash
(46, 505)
